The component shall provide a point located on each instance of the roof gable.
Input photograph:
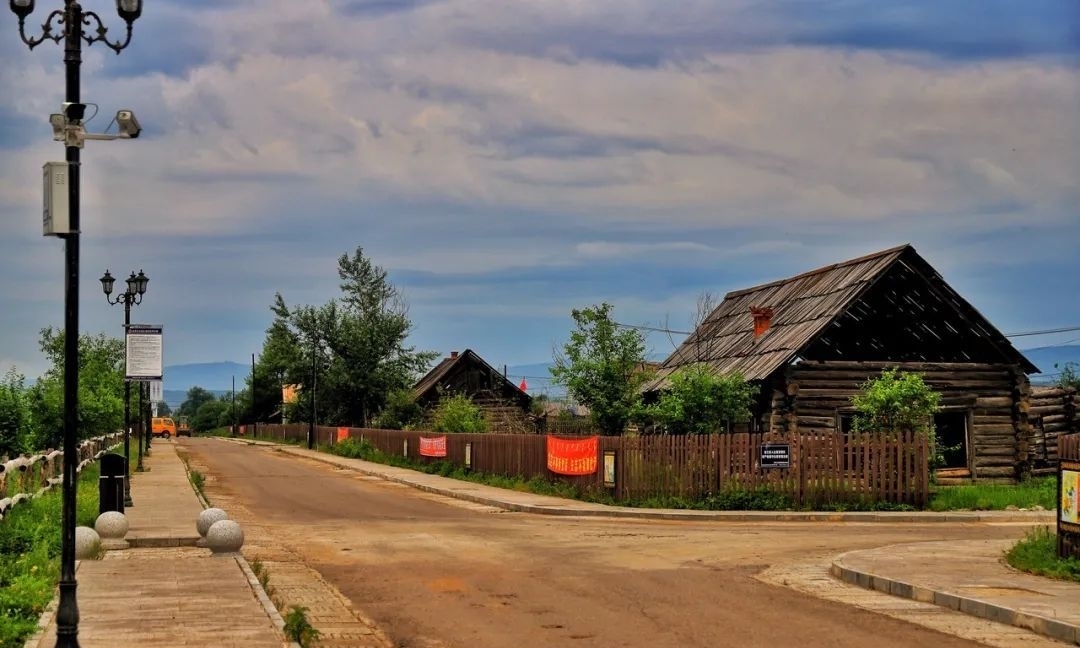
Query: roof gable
(805, 306)
(458, 363)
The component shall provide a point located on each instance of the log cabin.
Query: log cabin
(809, 342)
(506, 406)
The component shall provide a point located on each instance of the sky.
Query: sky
(507, 162)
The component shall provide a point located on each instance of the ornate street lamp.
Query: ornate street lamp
(132, 296)
(70, 26)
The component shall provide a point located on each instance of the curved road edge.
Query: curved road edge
(951, 575)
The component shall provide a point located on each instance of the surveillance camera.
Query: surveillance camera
(129, 126)
(73, 111)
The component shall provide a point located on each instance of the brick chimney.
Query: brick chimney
(762, 319)
(453, 354)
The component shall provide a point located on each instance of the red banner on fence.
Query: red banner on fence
(342, 433)
(433, 446)
(572, 456)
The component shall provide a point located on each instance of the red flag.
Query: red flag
(524, 385)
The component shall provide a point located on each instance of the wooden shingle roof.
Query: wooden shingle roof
(802, 308)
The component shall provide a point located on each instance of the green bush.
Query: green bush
(400, 412)
(30, 538)
(457, 413)
(354, 449)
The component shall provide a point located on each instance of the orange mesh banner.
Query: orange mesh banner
(572, 456)
(342, 433)
(433, 446)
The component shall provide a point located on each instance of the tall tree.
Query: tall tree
(602, 367)
(358, 344)
(279, 364)
(196, 398)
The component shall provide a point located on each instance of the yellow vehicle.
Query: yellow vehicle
(163, 427)
(182, 427)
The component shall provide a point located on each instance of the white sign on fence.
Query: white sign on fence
(144, 357)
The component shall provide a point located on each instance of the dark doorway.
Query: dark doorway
(952, 437)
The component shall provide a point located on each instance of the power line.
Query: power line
(655, 329)
(1064, 329)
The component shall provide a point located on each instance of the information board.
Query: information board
(1068, 524)
(144, 357)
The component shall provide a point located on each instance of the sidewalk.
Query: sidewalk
(971, 577)
(164, 591)
(967, 576)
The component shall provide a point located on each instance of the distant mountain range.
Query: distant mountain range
(217, 377)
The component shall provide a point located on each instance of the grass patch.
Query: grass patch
(1040, 491)
(197, 481)
(298, 628)
(30, 537)
(1037, 554)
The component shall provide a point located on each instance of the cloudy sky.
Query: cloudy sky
(509, 161)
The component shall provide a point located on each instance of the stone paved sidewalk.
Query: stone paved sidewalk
(167, 595)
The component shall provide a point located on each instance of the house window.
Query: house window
(845, 423)
(952, 437)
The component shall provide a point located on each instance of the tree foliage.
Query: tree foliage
(895, 401)
(401, 411)
(15, 422)
(457, 413)
(196, 397)
(698, 402)
(1069, 378)
(101, 382)
(898, 401)
(602, 367)
(357, 343)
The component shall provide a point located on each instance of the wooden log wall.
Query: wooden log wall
(1052, 413)
(993, 394)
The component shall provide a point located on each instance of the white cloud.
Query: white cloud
(339, 128)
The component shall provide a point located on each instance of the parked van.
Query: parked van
(163, 427)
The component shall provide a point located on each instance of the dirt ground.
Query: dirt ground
(436, 572)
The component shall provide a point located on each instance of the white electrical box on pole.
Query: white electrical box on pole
(56, 216)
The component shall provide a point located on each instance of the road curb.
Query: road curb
(1053, 628)
(253, 580)
(666, 514)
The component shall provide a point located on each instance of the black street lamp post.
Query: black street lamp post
(70, 27)
(132, 296)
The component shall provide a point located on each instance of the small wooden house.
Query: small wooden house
(505, 405)
(810, 341)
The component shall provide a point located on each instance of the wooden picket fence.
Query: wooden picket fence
(824, 469)
(1069, 446)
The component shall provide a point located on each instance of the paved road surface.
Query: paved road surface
(439, 572)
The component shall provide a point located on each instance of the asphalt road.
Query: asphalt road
(438, 572)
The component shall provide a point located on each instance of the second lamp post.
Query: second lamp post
(132, 295)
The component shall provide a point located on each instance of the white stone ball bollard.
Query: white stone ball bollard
(87, 544)
(112, 526)
(207, 518)
(225, 537)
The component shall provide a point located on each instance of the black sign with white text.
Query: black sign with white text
(775, 455)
